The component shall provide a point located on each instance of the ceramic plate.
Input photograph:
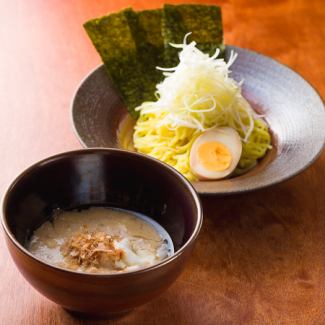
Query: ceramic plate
(292, 108)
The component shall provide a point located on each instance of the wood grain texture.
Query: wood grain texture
(260, 256)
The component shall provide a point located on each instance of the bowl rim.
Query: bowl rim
(175, 255)
(234, 191)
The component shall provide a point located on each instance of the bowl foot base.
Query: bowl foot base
(94, 315)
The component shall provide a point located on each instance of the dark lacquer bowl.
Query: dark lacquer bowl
(101, 177)
(292, 108)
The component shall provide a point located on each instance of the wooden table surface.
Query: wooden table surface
(260, 258)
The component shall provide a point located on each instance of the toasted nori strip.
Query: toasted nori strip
(204, 22)
(146, 30)
(131, 46)
(112, 38)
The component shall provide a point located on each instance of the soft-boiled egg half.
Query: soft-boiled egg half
(215, 153)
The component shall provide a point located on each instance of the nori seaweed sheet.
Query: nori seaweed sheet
(112, 38)
(131, 46)
(202, 20)
(146, 30)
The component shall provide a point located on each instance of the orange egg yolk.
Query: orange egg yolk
(214, 156)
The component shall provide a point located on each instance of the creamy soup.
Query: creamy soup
(101, 240)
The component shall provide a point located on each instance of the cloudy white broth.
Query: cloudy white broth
(101, 240)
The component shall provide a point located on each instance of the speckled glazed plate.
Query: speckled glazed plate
(292, 108)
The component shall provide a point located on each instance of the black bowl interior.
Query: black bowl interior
(101, 178)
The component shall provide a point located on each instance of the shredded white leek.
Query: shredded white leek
(195, 96)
